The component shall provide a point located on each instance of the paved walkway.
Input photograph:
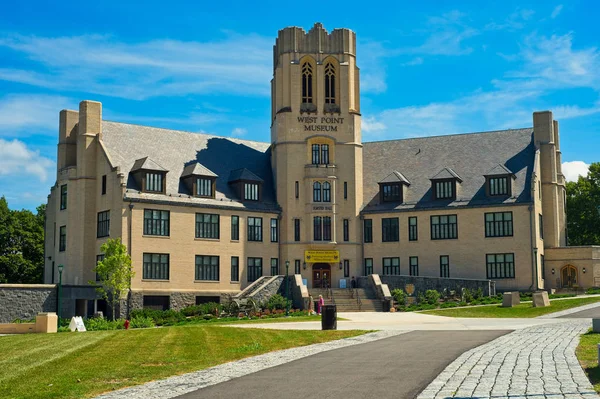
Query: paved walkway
(535, 362)
(397, 367)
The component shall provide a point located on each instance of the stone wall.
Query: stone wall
(423, 284)
(25, 301)
(276, 286)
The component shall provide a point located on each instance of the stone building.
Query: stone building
(203, 215)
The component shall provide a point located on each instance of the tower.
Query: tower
(317, 151)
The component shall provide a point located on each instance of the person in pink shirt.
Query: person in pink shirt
(321, 303)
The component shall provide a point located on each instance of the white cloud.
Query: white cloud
(107, 66)
(573, 169)
(16, 159)
(370, 125)
(414, 61)
(515, 21)
(238, 132)
(27, 114)
(556, 11)
(446, 34)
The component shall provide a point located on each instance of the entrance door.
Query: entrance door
(321, 275)
(568, 275)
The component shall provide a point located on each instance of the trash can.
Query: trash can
(387, 305)
(329, 317)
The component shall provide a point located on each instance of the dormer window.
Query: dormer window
(444, 184)
(498, 181)
(391, 189)
(246, 184)
(199, 180)
(149, 176)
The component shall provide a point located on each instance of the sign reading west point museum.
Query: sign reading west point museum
(322, 256)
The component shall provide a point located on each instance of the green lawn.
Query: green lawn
(77, 365)
(587, 353)
(523, 310)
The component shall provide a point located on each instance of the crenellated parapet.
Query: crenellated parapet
(316, 41)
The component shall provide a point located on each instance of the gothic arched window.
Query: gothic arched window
(326, 192)
(316, 192)
(330, 83)
(307, 86)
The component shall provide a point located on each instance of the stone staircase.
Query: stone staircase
(347, 302)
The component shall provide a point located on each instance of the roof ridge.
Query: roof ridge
(450, 135)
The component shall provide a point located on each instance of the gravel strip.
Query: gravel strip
(569, 311)
(179, 385)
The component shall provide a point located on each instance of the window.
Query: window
(154, 182)
(345, 190)
(543, 266)
(326, 192)
(498, 224)
(63, 197)
(296, 229)
(316, 154)
(444, 266)
(498, 185)
(207, 225)
(235, 227)
(103, 224)
(541, 227)
(297, 190)
(274, 231)
(391, 192)
(307, 73)
(368, 230)
(391, 266)
(204, 187)
(500, 266)
(444, 227)
(322, 228)
(413, 231)
(274, 266)
(346, 268)
(251, 191)
(62, 241)
(156, 302)
(316, 192)
(444, 189)
(540, 189)
(413, 269)
(325, 154)
(103, 185)
(235, 268)
(156, 222)
(368, 266)
(99, 258)
(207, 268)
(390, 230)
(254, 269)
(156, 267)
(329, 83)
(297, 266)
(254, 229)
(346, 230)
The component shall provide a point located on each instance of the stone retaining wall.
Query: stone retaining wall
(423, 284)
(25, 301)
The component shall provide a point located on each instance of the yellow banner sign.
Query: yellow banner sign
(321, 256)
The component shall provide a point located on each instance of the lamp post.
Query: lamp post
(287, 288)
(59, 305)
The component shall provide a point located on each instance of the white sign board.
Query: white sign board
(342, 283)
(77, 324)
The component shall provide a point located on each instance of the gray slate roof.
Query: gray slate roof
(147, 164)
(499, 170)
(243, 174)
(395, 177)
(446, 173)
(174, 150)
(470, 156)
(197, 169)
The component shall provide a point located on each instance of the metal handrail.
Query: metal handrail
(358, 300)
(330, 294)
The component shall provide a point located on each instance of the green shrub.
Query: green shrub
(100, 324)
(277, 302)
(432, 297)
(160, 317)
(448, 305)
(21, 321)
(555, 296)
(593, 291)
(141, 322)
(399, 296)
(478, 294)
(63, 329)
(195, 310)
(466, 295)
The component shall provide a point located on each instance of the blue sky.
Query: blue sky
(427, 68)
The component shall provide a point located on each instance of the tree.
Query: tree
(583, 208)
(114, 272)
(21, 245)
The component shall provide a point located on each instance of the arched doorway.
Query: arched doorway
(568, 276)
(321, 275)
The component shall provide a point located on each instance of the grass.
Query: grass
(587, 353)
(80, 365)
(520, 311)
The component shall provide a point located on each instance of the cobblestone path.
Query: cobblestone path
(532, 363)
